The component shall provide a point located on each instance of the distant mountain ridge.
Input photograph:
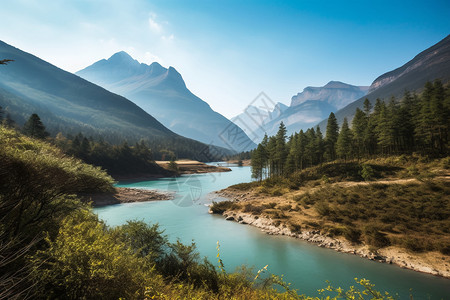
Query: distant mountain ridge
(307, 108)
(65, 102)
(162, 92)
(429, 65)
(335, 93)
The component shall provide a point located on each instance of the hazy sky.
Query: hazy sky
(230, 51)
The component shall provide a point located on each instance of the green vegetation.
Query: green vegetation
(120, 159)
(414, 124)
(407, 139)
(52, 246)
(410, 209)
(222, 206)
(419, 212)
(34, 127)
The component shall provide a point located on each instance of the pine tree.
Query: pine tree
(8, 122)
(344, 142)
(291, 165)
(258, 162)
(281, 153)
(439, 122)
(331, 137)
(320, 146)
(423, 131)
(384, 130)
(394, 125)
(310, 147)
(271, 154)
(406, 119)
(34, 127)
(300, 150)
(367, 107)
(359, 125)
(265, 156)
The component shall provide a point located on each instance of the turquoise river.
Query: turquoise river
(305, 266)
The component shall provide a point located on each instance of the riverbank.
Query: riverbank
(125, 195)
(282, 215)
(193, 167)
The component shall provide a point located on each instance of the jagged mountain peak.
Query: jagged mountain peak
(337, 85)
(121, 56)
(122, 67)
(336, 93)
(163, 93)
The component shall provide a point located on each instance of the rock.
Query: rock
(229, 218)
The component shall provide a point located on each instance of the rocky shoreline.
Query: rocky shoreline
(392, 255)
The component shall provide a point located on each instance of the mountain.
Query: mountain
(335, 93)
(68, 103)
(429, 65)
(254, 118)
(310, 106)
(163, 93)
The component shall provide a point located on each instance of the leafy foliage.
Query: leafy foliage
(81, 257)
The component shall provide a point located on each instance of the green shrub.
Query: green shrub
(413, 244)
(374, 237)
(222, 206)
(295, 228)
(270, 205)
(277, 192)
(352, 234)
(322, 208)
(445, 249)
(446, 163)
(244, 186)
(367, 173)
(86, 262)
(253, 209)
(336, 231)
(286, 207)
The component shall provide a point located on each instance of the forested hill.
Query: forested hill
(414, 124)
(69, 104)
(429, 65)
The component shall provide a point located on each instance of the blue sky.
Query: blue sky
(230, 51)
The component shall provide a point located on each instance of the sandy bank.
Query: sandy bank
(193, 167)
(126, 195)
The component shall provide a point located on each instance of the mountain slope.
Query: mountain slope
(163, 93)
(431, 64)
(254, 118)
(71, 104)
(310, 106)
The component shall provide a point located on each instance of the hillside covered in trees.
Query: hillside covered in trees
(381, 185)
(412, 124)
(53, 246)
(71, 105)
